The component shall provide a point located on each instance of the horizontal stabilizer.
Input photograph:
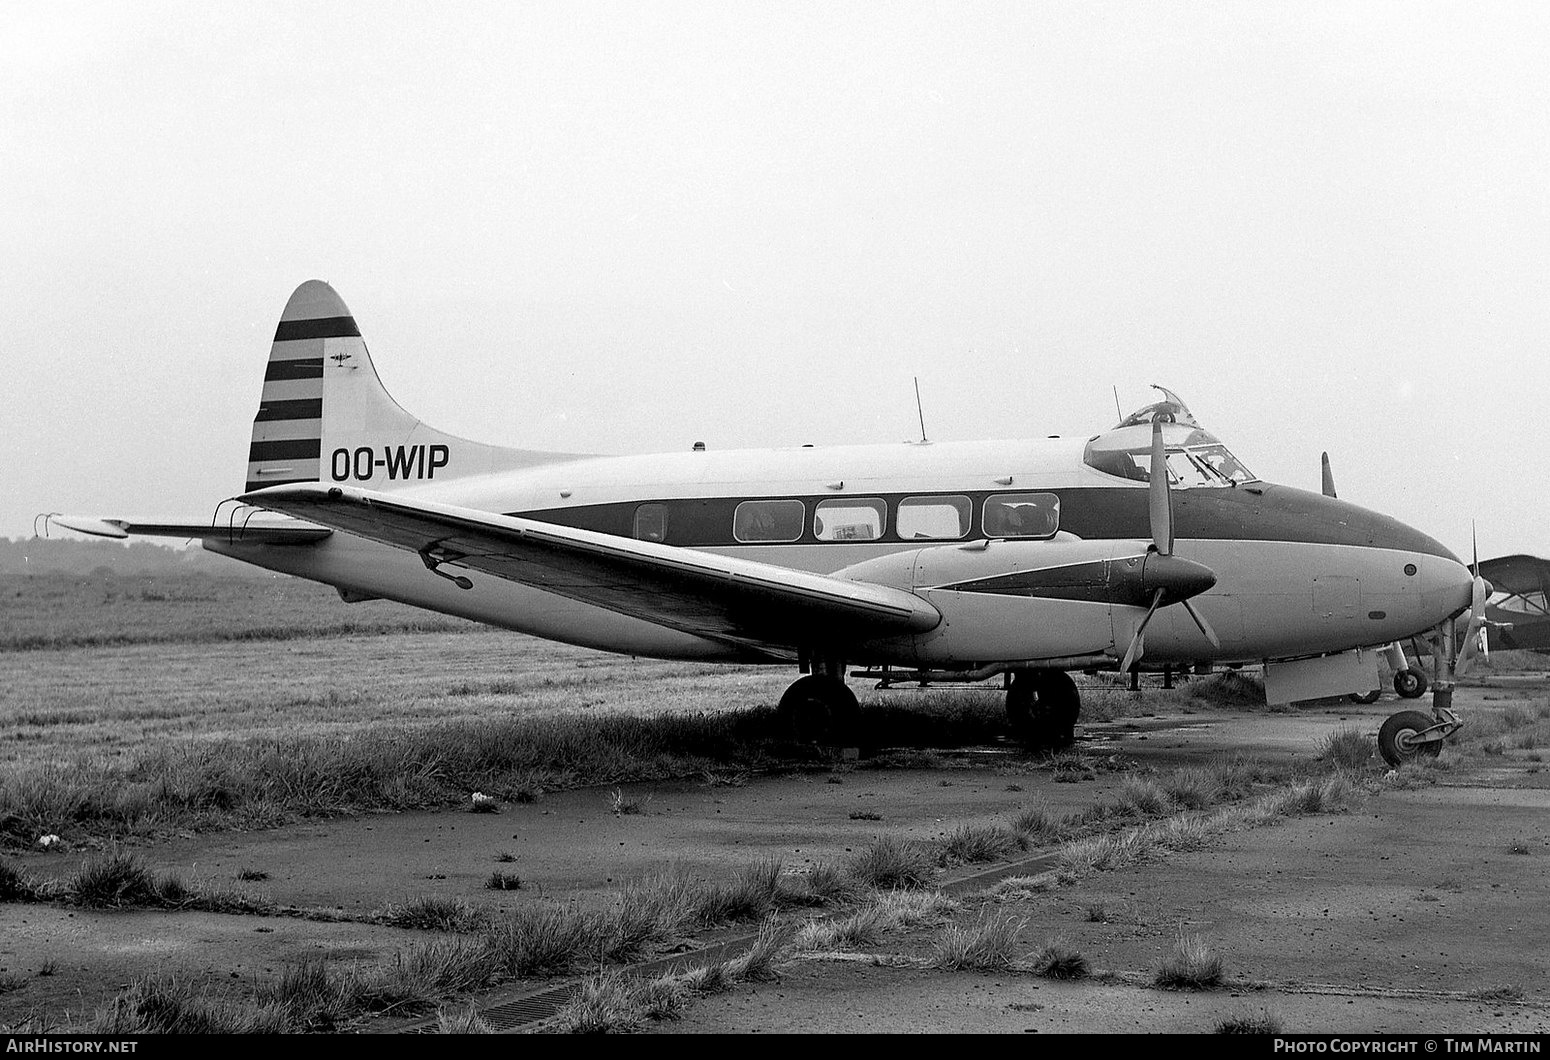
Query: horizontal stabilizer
(290, 533)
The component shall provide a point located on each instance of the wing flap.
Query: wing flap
(686, 589)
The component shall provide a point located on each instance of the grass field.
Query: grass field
(115, 665)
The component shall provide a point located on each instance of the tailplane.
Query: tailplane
(326, 417)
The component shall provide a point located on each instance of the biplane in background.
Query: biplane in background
(1148, 545)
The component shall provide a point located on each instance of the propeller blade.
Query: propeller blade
(1134, 651)
(1205, 627)
(1472, 630)
(1329, 477)
(1161, 496)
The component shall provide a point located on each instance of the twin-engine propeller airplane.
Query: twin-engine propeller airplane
(1148, 545)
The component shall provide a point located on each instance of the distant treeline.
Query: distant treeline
(42, 555)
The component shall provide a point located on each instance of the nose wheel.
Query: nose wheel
(1410, 735)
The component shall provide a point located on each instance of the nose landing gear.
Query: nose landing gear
(1411, 735)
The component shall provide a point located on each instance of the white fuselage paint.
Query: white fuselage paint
(1272, 598)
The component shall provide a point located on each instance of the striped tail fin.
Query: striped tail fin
(325, 416)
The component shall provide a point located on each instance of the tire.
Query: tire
(1062, 704)
(1042, 707)
(821, 709)
(1394, 738)
(1410, 684)
(1367, 697)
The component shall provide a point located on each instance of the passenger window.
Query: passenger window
(768, 521)
(934, 518)
(848, 519)
(651, 522)
(1022, 515)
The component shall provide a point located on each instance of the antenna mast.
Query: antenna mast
(921, 411)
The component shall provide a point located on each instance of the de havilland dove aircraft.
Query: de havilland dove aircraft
(1148, 545)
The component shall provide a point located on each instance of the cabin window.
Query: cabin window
(934, 518)
(1022, 515)
(757, 521)
(850, 519)
(651, 522)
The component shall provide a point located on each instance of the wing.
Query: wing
(730, 599)
(1518, 575)
(237, 531)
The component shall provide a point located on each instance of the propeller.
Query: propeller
(1329, 476)
(1169, 578)
(1479, 594)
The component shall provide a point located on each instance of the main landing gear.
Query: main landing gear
(1042, 706)
(820, 708)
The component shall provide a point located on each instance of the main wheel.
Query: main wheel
(1366, 697)
(1411, 684)
(1042, 706)
(1062, 703)
(821, 709)
(1397, 738)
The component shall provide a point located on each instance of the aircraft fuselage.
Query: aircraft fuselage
(1296, 573)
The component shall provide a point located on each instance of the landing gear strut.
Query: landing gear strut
(1042, 706)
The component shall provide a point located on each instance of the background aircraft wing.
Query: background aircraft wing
(724, 598)
(1517, 574)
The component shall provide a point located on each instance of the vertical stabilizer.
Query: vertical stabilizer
(325, 416)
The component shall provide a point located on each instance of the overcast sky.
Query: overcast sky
(624, 227)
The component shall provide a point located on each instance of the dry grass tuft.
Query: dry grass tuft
(1058, 959)
(1348, 749)
(1143, 797)
(987, 944)
(891, 863)
(1192, 966)
(429, 913)
(1246, 1020)
(463, 1021)
(1040, 828)
(973, 844)
(169, 1005)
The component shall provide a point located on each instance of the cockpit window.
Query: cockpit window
(1223, 463)
(1194, 456)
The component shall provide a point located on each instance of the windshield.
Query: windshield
(1195, 457)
